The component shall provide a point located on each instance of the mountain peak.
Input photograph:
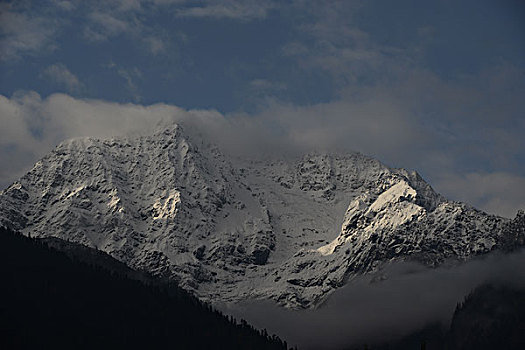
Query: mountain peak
(167, 128)
(291, 230)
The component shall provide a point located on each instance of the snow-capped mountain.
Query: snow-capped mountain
(231, 229)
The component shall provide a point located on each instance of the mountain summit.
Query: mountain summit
(230, 229)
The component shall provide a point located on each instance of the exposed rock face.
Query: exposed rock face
(231, 229)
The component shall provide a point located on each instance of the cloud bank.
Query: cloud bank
(375, 124)
(411, 298)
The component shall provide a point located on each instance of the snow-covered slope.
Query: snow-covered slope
(232, 229)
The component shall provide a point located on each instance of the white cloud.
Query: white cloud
(111, 19)
(21, 34)
(155, 45)
(127, 5)
(104, 25)
(59, 74)
(233, 9)
(31, 30)
(294, 49)
(64, 5)
(376, 121)
(264, 84)
(129, 76)
(32, 126)
(499, 192)
(332, 41)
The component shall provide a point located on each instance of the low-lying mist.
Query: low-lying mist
(400, 299)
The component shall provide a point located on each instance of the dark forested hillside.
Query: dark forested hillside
(52, 300)
(491, 317)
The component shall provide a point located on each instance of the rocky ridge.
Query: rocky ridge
(231, 229)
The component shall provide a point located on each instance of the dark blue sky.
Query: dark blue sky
(437, 86)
